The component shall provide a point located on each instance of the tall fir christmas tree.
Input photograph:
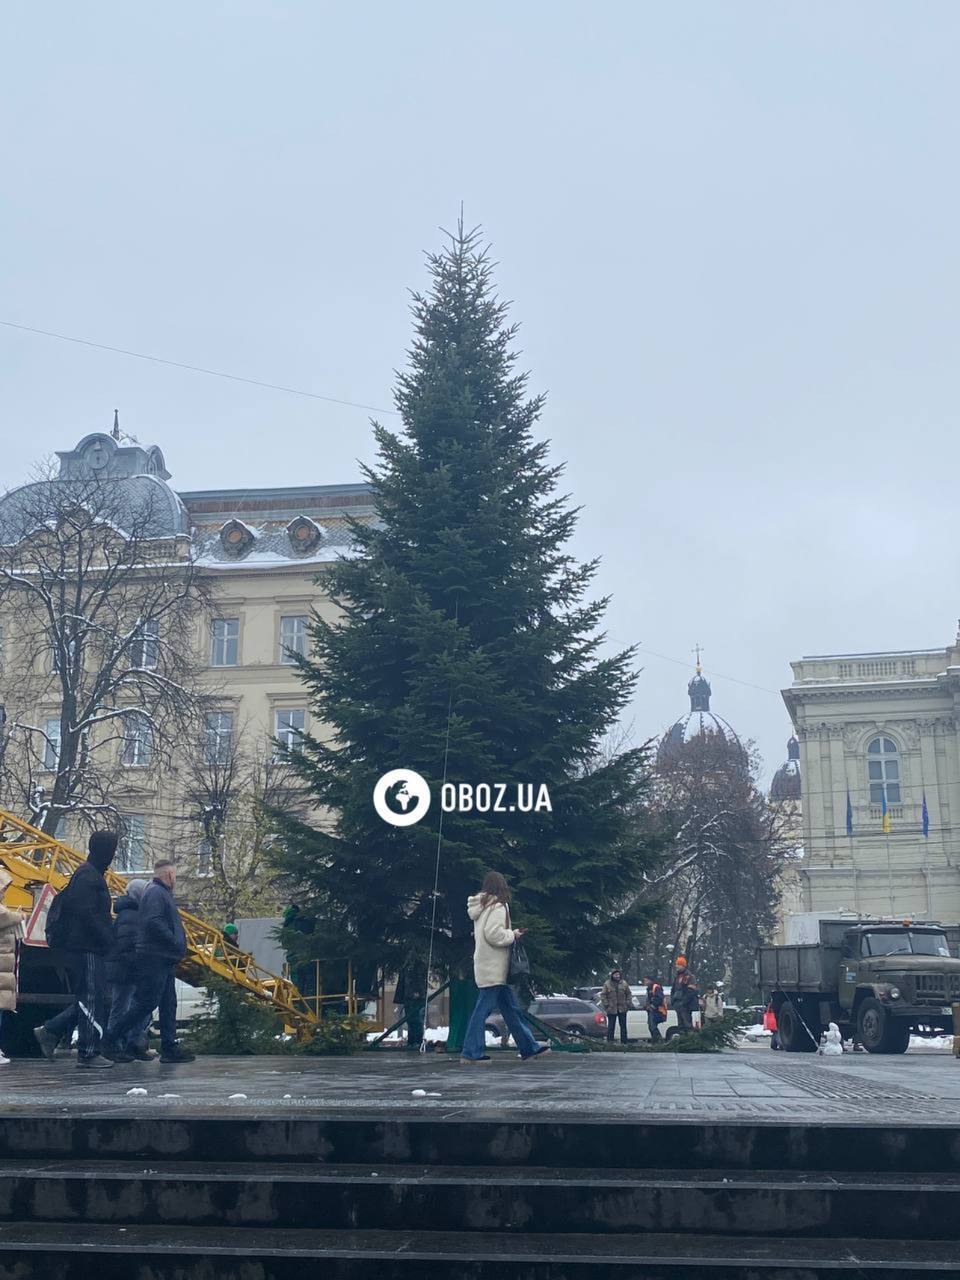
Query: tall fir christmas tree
(467, 648)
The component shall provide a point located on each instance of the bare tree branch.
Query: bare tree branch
(104, 647)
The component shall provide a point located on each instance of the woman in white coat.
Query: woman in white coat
(492, 939)
(11, 927)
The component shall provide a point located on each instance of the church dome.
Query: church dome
(786, 781)
(699, 722)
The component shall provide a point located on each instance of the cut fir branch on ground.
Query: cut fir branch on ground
(715, 1036)
(235, 1023)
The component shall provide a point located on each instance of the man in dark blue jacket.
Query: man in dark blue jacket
(84, 933)
(161, 945)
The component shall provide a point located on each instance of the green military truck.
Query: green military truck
(880, 980)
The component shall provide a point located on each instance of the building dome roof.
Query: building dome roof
(786, 781)
(134, 495)
(699, 722)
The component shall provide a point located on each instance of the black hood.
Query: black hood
(126, 903)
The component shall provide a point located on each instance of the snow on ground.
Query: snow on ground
(756, 1034)
(931, 1042)
(923, 1044)
(432, 1035)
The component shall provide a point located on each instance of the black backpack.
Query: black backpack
(55, 929)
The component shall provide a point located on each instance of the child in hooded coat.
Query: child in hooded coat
(121, 963)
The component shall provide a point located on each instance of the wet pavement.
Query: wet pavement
(745, 1085)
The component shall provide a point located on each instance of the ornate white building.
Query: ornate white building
(880, 731)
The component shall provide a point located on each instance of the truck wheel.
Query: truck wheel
(898, 1035)
(795, 1037)
(878, 1032)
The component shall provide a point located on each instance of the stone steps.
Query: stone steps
(142, 1131)
(173, 1194)
(471, 1199)
(59, 1252)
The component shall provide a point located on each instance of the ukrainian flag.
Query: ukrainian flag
(884, 815)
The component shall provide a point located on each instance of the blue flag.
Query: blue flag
(849, 814)
(925, 816)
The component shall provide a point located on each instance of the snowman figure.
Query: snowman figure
(831, 1042)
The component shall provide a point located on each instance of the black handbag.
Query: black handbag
(519, 966)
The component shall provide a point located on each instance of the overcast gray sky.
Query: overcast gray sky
(729, 232)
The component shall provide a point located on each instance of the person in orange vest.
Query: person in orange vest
(656, 1006)
(770, 1024)
(684, 997)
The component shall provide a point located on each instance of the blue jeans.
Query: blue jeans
(503, 998)
(155, 989)
(124, 994)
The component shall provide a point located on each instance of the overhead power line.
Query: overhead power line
(194, 368)
(717, 675)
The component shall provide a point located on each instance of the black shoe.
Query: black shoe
(47, 1042)
(95, 1063)
(177, 1055)
(544, 1048)
(114, 1054)
(144, 1055)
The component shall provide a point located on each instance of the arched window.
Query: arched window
(883, 771)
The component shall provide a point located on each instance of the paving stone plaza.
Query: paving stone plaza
(921, 1088)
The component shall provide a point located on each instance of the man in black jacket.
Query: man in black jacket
(161, 945)
(85, 935)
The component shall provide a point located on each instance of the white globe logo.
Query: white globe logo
(401, 797)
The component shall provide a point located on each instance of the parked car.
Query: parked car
(560, 1013)
(637, 1027)
(191, 1002)
(591, 994)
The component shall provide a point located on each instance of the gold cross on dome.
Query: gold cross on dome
(698, 650)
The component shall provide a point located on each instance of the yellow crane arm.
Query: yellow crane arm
(30, 857)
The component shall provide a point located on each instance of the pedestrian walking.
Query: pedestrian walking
(410, 995)
(770, 1024)
(161, 945)
(122, 967)
(656, 1007)
(80, 925)
(684, 998)
(615, 999)
(11, 932)
(711, 1006)
(493, 937)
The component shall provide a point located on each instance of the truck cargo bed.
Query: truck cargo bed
(809, 967)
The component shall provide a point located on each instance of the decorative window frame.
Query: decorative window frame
(236, 538)
(304, 535)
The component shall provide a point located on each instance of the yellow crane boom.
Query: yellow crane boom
(31, 859)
